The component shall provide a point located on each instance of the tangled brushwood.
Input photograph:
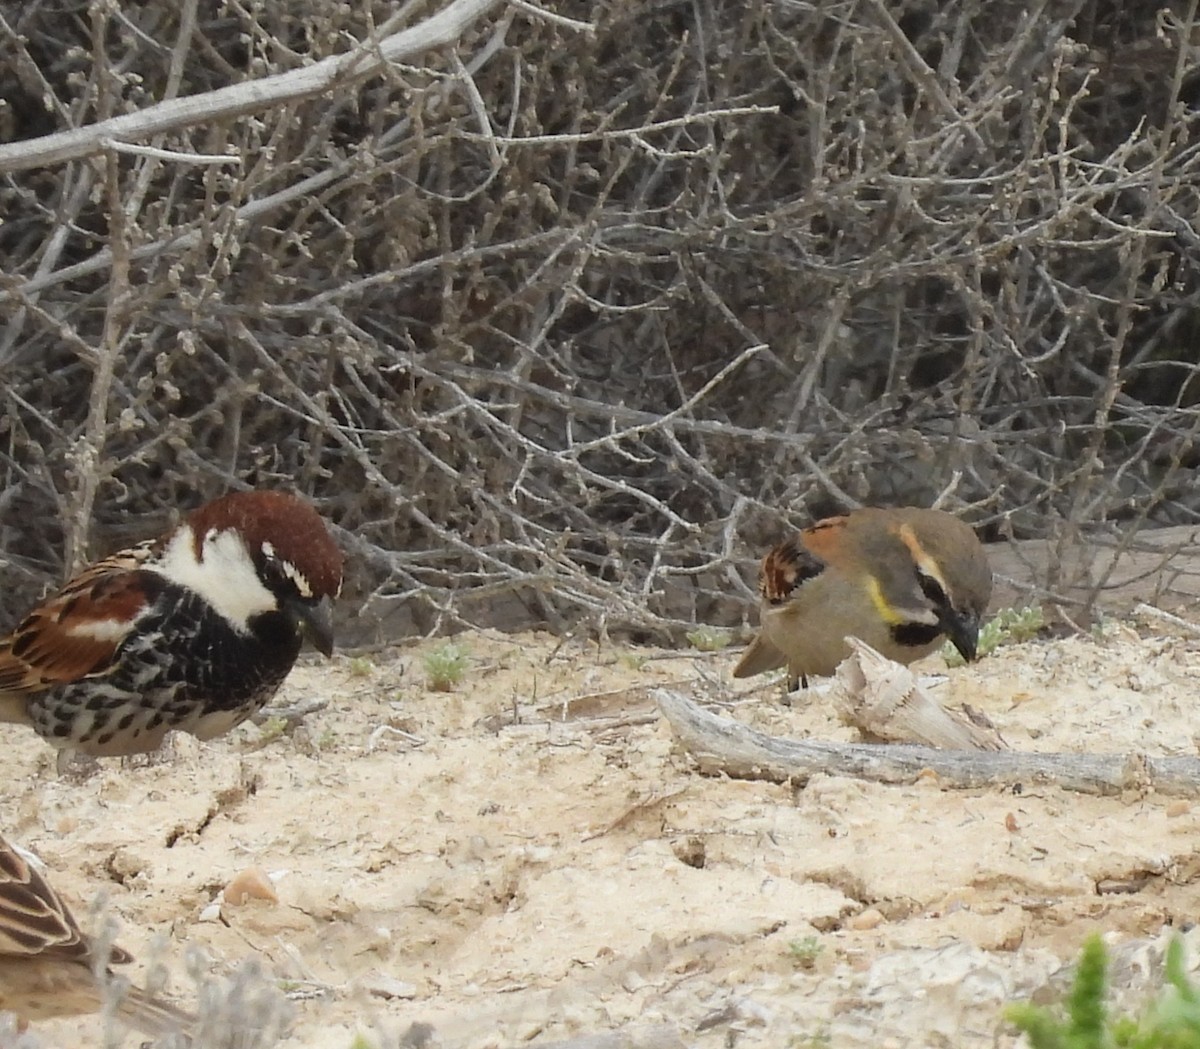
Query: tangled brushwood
(561, 311)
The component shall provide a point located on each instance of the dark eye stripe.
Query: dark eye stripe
(932, 589)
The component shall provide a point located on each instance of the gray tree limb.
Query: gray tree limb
(238, 99)
(722, 745)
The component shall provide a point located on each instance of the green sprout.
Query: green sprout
(360, 666)
(1009, 626)
(271, 729)
(708, 639)
(1171, 1021)
(805, 952)
(445, 666)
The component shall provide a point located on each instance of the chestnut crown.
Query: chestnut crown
(283, 534)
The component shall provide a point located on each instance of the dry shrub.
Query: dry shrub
(562, 326)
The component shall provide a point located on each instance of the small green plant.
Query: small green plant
(1172, 1020)
(818, 1040)
(360, 666)
(1103, 627)
(805, 952)
(445, 666)
(632, 660)
(271, 730)
(708, 639)
(1009, 626)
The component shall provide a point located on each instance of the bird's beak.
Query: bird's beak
(962, 628)
(316, 623)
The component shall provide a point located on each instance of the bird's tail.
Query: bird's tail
(760, 656)
(153, 1016)
(14, 708)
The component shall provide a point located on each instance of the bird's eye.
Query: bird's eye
(932, 589)
(273, 574)
(283, 577)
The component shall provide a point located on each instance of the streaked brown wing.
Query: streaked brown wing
(33, 919)
(76, 632)
(800, 557)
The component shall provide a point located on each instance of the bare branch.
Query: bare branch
(241, 99)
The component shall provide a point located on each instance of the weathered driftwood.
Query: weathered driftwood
(721, 745)
(885, 701)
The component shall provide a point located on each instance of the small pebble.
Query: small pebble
(864, 920)
(251, 884)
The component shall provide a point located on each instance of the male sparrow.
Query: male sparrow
(897, 579)
(193, 631)
(48, 968)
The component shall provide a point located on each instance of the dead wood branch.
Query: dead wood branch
(368, 60)
(886, 701)
(722, 745)
(565, 323)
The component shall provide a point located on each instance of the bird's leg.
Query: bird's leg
(75, 767)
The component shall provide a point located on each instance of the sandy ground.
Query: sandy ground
(530, 858)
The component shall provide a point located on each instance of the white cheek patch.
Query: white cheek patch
(224, 576)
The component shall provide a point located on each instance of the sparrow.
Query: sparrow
(193, 631)
(49, 968)
(898, 579)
